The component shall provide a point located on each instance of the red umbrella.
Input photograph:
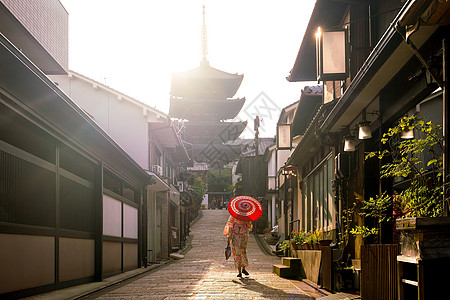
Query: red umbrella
(245, 208)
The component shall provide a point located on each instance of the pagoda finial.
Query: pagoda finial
(204, 39)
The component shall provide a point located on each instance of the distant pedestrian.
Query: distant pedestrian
(237, 232)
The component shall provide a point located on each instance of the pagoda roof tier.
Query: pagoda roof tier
(215, 155)
(200, 109)
(205, 82)
(205, 132)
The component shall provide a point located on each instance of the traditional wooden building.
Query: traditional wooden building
(150, 138)
(285, 175)
(389, 62)
(70, 197)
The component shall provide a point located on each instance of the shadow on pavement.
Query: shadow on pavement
(266, 291)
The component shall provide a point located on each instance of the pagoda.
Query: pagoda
(202, 98)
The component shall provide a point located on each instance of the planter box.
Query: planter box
(310, 264)
(424, 238)
(324, 243)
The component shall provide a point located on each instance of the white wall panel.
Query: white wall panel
(130, 222)
(112, 216)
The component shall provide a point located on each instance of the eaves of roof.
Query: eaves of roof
(326, 14)
(309, 103)
(309, 134)
(119, 94)
(285, 111)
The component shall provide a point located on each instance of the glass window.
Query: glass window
(330, 195)
(317, 197)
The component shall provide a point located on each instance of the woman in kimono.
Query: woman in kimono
(237, 232)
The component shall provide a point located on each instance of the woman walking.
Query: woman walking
(237, 232)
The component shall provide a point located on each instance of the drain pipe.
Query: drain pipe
(443, 84)
(419, 56)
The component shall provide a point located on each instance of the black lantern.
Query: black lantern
(284, 141)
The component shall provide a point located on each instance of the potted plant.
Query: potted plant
(316, 236)
(309, 241)
(298, 237)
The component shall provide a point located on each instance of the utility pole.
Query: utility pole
(256, 128)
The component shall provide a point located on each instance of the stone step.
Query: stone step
(291, 262)
(284, 271)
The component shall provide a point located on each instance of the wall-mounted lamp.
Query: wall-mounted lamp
(365, 132)
(349, 143)
(288, 170)
(407, 134)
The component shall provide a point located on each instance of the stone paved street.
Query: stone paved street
(205, 274)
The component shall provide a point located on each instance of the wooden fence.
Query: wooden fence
(379, 272)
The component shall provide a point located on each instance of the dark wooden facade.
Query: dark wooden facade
(254, 176)
(388, 77)
(70, 197)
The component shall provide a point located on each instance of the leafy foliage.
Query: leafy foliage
(418, 160)
(285, 245)
(222, 178)
(298, 236)
(347, 221)
(199, 188)
(423, 198)
(316, 235)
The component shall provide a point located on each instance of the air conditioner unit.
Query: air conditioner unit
(180, 186)
(157, 170)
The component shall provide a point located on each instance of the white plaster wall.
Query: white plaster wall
(234, 177)
(121, 119)
(112, 216)
(282, 157)
(130, 221)
(129, 127)
(271, 165)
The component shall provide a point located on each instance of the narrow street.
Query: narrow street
(205, 274)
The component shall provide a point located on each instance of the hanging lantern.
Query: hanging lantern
(349, 144)
(407, 134)
(365, 132)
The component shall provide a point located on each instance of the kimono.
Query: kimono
(237, 231)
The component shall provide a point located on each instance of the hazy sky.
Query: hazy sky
(135, 45)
